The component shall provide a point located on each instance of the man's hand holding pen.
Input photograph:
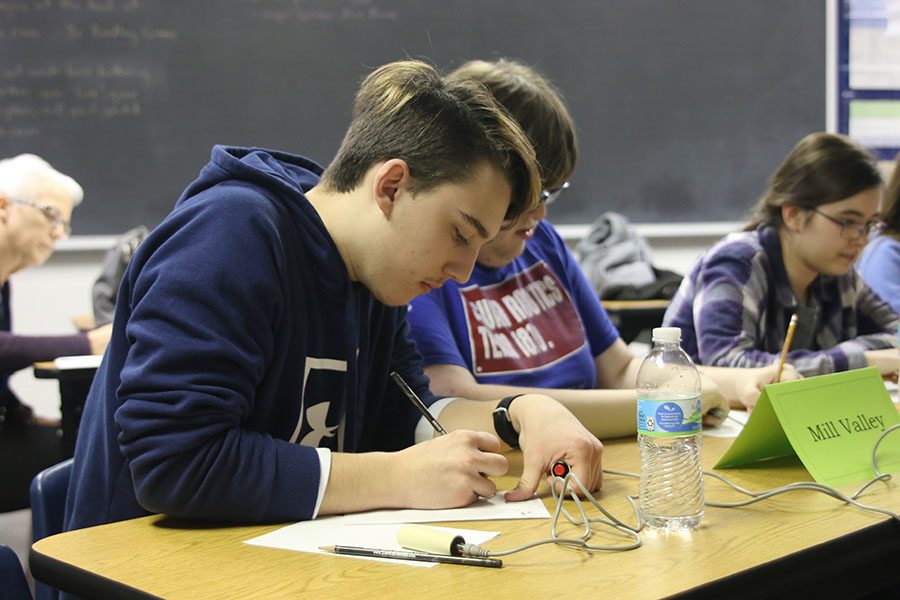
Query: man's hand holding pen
(451, 470)
(456, 473)
(467, 459)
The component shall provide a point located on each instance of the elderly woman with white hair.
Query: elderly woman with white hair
(36, 203)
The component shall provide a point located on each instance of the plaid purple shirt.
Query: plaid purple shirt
(734, 307)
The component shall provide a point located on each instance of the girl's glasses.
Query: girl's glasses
(851, 230)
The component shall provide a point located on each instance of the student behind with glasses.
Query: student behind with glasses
(796, 257)
(36, 203)
(527, 320)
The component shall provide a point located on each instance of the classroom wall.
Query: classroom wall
(45, 298)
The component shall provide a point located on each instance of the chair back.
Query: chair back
(14, 586)
(48, 505)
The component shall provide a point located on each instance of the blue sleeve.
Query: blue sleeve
(880, 268)
(429, 322)
(203, 308)
(600, 331)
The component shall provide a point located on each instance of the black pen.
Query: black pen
(495, 563)
(417, 403)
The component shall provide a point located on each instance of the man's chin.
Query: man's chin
(393, 299)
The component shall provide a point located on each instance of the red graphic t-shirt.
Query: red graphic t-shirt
(522, 323)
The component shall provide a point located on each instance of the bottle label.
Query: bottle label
(669, 417)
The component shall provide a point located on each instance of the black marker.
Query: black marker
(419, 556)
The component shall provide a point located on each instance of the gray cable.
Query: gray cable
(581, 543)
(814, 486)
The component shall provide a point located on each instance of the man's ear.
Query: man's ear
(4, 208)
(391, 179)
(794, 217)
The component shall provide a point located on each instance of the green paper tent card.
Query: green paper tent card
(831, 422)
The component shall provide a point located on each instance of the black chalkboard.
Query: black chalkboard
(683, 107)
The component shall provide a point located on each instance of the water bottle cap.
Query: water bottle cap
(666, 334)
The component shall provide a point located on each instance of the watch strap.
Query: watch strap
(503, 423)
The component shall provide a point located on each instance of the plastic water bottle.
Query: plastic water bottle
(669, 415)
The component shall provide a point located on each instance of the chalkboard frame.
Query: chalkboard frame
(842, 94)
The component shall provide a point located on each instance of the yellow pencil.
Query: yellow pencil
(787, 346)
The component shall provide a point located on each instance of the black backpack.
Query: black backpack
(662, 288)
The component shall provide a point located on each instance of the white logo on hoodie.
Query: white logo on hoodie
(316, 414)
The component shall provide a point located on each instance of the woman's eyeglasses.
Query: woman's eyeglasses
(51, 213)
(852, 230)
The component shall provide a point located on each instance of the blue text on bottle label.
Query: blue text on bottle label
(666, 418)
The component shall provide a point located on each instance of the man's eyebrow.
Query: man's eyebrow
(475, 223)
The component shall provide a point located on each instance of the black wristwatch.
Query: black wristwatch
(503, 424)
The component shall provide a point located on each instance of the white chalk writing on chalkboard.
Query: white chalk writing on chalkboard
(35, 96)
(281, 11)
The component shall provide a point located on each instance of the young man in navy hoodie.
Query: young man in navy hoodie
(247, 378)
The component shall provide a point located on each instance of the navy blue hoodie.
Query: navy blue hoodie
(239, 343)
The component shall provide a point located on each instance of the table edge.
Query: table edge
(75, 580)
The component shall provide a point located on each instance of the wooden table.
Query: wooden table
(800, 543)
(74, 385)
(634, 316)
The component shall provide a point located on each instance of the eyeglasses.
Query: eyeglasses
(51, 213)
(548, 197)
(851, 230)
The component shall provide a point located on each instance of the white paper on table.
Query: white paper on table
(307, 536)
(731, 426)
(892, 390)
(484, 509)
(89, 361)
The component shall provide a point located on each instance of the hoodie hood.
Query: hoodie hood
(283, 172)
(283, 179)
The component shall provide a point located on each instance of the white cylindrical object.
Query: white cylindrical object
(429, 539)
(666, 334)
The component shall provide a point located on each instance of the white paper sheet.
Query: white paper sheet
(493, 509)
(90, 361)
(307, 536)
(731, 427)
(892, 390)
